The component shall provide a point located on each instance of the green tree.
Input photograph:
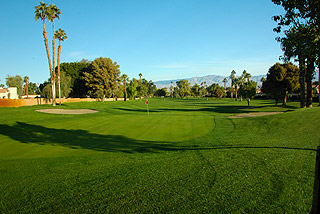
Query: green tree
(76, 70)
(225, 80)
(236, 84)
(215, 90)
(124, 78)
(143, 88)
(248, 90)
(161, 92)
(232, 77)
(241, 80)
(176, 92)
(132, 89)
(47, 90)
(184, 88)
(61, 35)
(203, 90)
(26, 80)
(151, 88)
(103, 78)
(281, 79)
(219, 92)
(15, 81)
(246, 75)
(65, 83)
(303, 17)
(171, 89)
(32, 88)
(195, 90)
(298, 43)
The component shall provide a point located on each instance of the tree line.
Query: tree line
(242, 86)
(301, 27)
(100, 78)
(23, 85)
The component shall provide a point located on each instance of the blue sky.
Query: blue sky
(162, 39)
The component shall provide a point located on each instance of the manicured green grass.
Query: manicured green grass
(187, 156)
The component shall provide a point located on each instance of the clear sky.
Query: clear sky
(162, 39)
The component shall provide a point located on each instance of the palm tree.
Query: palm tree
(54, 11)
(240, 81)
(140, 75)
(61, 35)
(246, 75)
(125, 78)
(296, 44)
(26, 79)
(232, 77)
(236, 84)
(42, 12)
(225, 80)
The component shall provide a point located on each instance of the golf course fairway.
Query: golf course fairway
(185, 156)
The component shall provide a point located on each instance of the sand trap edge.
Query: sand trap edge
(255, 114)
(67, 111)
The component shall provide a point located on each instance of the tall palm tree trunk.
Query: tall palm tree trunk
(236, 89)
(27, 89)
(310, 70)
(302, 83)
(231, 90)
(125, 91)
(53, 79)
(47, 46)
(59, 81)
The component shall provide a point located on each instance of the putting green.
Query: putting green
(128, 128)
(157, 127)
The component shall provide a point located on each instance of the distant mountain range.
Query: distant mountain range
(209, 79)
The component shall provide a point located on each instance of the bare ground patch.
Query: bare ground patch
(255, 114)
(67, 111)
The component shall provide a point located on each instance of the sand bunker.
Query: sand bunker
(67, 111)
(255, 114)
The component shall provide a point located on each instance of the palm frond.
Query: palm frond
(41, 11)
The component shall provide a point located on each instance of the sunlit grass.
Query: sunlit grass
(186, 156)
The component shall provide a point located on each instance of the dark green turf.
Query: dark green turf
(187, 156)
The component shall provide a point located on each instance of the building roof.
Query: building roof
(3, 90)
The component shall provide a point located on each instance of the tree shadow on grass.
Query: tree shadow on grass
(217, 109)
(228, 109)
(82, 139)
(79, 139)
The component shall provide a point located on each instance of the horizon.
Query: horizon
(163, 40)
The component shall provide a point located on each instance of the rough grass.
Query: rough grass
(187, 156)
